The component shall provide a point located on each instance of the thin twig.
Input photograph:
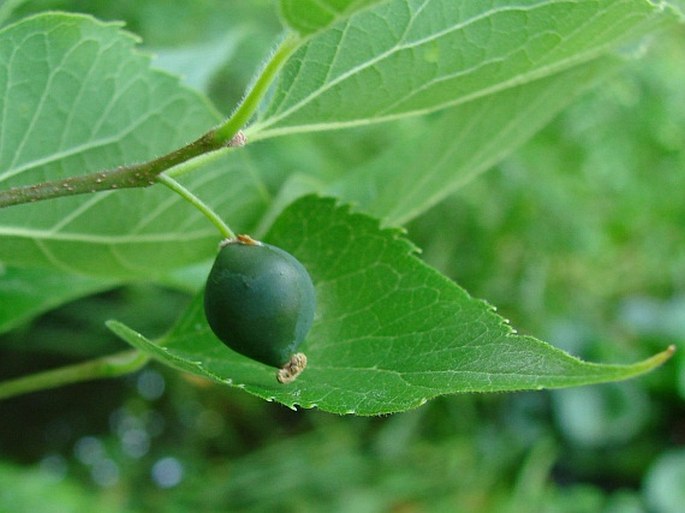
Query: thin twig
(227, 134)
(106, 367)
(124, 177)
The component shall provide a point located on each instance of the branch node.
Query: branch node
(238, 140)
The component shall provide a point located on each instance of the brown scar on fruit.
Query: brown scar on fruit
(291, 370)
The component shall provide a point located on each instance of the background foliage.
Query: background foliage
(577, 238)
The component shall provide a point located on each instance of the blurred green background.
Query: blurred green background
(578, 238)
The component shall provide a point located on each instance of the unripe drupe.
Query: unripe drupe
(260, 302)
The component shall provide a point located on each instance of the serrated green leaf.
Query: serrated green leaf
(77, 97)
(309, 16)
(389, 333)
(446, 153)
(429, 55)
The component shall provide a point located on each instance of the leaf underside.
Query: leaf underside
(76, 97)
(457, 145)
(390, 333)
(402, 58)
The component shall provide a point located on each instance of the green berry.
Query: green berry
(260, 302)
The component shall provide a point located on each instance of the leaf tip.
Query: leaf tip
(655, 361)
(663, 356)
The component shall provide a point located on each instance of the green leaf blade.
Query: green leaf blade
(390, 333)
(77, 97)
(427, 56)
(310, 16)
(449, 150)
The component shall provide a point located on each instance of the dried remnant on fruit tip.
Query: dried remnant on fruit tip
(289, 372)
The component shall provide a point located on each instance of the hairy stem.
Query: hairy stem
(250, 102)
(198, 204)
(106, 367)
(228, 134)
